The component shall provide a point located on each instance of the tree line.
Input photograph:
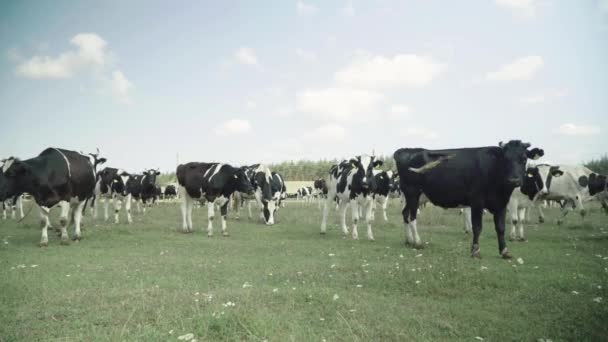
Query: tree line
(309, 170)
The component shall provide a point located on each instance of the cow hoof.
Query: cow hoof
(541, 219)
(522, 239)
(225, 234)
(322, 233)
(505, 254)
(512, 238)
(418, 245)
(371, 239)
(209, 235)
(65, 242)
(44, 244)
(559, 222)
(476, 251)
(76, 238)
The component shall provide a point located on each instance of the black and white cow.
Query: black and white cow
(305, 194)
(112, 184)
(214, 183)
(571, 190)
(56, 176)
(482, 177)
(320, 190)
(142, 188)
(279, 189)
(267, 192)
(385, 183)
(158, 193)
(352, 182)
(170, 191)
(598, 188)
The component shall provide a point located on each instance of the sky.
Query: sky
(151, 83)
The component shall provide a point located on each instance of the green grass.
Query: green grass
(147, 282)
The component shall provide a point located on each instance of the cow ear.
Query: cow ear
(557, 172)
(592, 177)
(583, 181)
(101, 160)
(500, 144)
(353, 162)
(157, 173)
(378, 163)
(535, 153)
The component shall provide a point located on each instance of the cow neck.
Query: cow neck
(66, 162)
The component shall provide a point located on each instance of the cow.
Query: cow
(352, 182)
(279, 189)
(170, 191)
(112, 184)
(214, 183)
(11, 201)
(598, 187)
(267, 192)
(142, 188)
(385, 183)
(481, 177)
(55, 176)
(305, 194)
(158, 193)
(571, 190)
(320, 190)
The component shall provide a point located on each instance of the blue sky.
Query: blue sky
(244, 81)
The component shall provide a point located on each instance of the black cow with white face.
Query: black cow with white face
(279, 189)
(267, 192)
(211, 182)
(142, 188)
(55, 176)
(112, 185)
(352, 182)
(482, 177)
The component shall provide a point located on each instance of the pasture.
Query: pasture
(148, 282)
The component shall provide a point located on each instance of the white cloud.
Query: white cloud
(328, 133)
(520, 70)
(121, 86)
(306, 56)
(305, 9)
(525, 8)
(89, 53)
(339, 104)
(419, 132)
(577, 130)
(233, 127)
(384, 72)
(348, 10)
(245, 55)
(251, 105)
(398, 112)
(554, 95)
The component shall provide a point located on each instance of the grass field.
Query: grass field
(147, 282)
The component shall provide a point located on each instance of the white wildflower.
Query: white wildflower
(574, 292)
(597, 299)
(336, 297)
(186, 337)
(520, 261)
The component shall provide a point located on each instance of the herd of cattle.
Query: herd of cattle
(498, 179)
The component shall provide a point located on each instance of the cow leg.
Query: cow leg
(128, 208)
(78, 220)
(44, 224)
(541, 215)
(409, 212)
(476, 216)
(106, 202)
(144, 205)
(565, 210)
(324, 216)
(3, 210)
(499, 225)
(14, 210)
(342, 214)
(466, 215)
(522, 217)
(117, 204)
(384, 201)
(354, 208)
(184, 207)
(582, 211)
(210, 215)
(138, 200)
(369, 218)
(63, 222)
(249, 209)
(224, 212)
(20, 206)
(94, 206)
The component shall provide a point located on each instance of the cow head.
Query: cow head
(364, 166)
(118, 181)
(96, 160)
(150, 177)
(516, 155)
(243, 183)
(595, 182)
(17, 176)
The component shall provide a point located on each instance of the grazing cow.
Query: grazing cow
(305, 194)
(112, 184)
(385, 183)
(56, 176)
(170, 191)
(479, 178)
(571, 190)
(352, 182)
(267, 192)
(142, 187)
(213, 182)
